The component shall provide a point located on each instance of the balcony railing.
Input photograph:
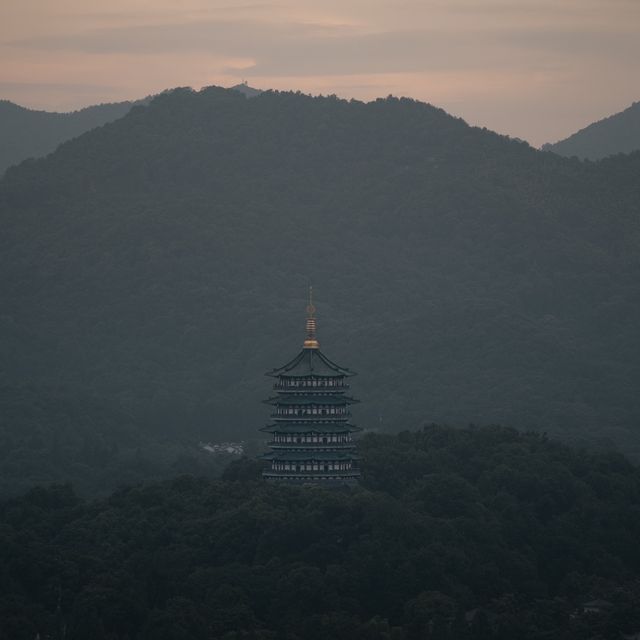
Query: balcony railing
(311, 446)
(304, 388)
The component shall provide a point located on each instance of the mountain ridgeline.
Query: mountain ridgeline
(28, 133)
(619, 133)
(160, 264)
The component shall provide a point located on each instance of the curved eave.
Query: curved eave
(311, 362)
(294, 456)
(311, 427)
(310, 399)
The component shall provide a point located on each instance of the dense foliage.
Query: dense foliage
(159, 264)
(619, 133)
(26, 133)
(474, 533)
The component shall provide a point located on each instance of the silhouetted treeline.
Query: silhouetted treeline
(454, 534)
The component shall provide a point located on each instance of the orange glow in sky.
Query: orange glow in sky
(537, 70)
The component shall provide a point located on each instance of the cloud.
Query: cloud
(532, 57)
(226, 37)
(300, 48)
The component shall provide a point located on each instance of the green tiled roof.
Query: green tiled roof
(311, 399)
(295, 456)
(311, 362)
(310, 427)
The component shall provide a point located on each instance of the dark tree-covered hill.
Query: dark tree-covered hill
(619, 133)
(454, 535)
(160, 263)
(28, 133)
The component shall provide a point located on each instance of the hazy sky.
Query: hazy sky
(534, 69)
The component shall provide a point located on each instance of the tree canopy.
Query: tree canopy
(454, 534)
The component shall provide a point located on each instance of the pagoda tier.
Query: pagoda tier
(310, 428)
(330, 426)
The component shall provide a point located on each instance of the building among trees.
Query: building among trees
(310, 423)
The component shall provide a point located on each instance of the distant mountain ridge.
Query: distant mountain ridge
(28, 133)
(619, 133)
(31, 133)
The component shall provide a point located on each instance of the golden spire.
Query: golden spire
(311, 342)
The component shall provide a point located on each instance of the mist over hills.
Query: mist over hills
(28, 133)
(618, 133)
(161, 262)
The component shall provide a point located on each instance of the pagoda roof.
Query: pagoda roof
(309, 455)
(311, 362)
(310, 427)
(305, 399)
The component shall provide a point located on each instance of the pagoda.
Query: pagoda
(311, 435)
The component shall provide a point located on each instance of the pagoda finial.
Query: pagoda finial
(311, 342)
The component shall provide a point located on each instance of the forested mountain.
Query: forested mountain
(53, 435)
(453, 535)
(619, 133)
(159, 265)
(27, 133)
